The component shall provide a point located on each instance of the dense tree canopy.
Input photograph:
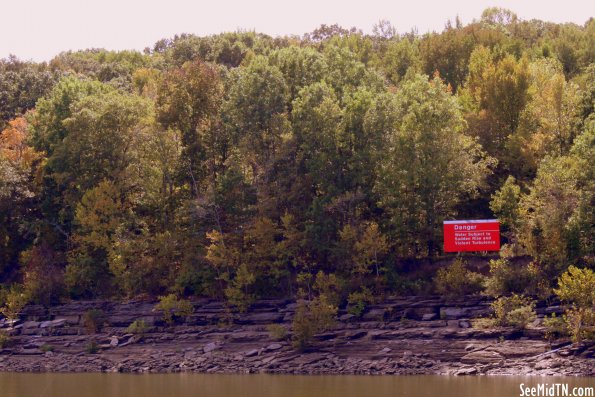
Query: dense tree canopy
(242, 166)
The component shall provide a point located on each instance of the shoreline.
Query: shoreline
(402, 336)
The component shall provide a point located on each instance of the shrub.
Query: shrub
(14, 302)
(580, 323)
(577, 286)
(94, 320)
(5, 340)
(46, 348)
(556, 327)
(330, 285)
(92, 348)
(505, 279)
(238, 290)
(538, 283)
(138, 327)
(42, 268)
(3, 295)
(357, 301)
(277, 331)
(483, 322)
(521, 316)
(515, 310)
(403, 286)
(311, 318)
(505, 204)
(456, 280)
(173, 308)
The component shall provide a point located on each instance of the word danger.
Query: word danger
(472, 235)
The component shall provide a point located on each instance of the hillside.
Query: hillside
(319, 169)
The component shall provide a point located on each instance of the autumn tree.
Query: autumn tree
(577, 287)
(557, 214)
(187, 98)
(429, 164)
(548, 124)
(370, 249)
(43, 273)
(263, 256)
(240, 166)
(97, 218)
(18, 165)
(500, 89)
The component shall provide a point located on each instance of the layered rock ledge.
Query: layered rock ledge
(410, 335)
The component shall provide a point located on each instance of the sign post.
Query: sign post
(473, 235)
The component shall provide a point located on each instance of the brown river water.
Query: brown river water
(182, 385)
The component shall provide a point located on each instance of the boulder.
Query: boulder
(513, 350)
(31, 324)
(72, 320)
(453, 313)
(273, 347)
(466, 371)
(546, 364)
(53, 323)
(251, 353)
(464, 324)
(209, 347)
(429, 317)
(471, 347)
(346, 317)
(418, 313)
(375, 315)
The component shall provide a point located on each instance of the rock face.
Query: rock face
(409, 335)
(482, 357)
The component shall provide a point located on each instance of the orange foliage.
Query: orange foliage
(13, 143)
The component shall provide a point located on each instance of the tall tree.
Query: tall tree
(187, 98)
(428, 166)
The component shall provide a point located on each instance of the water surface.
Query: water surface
(197, 385)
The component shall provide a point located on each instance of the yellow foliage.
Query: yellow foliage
(261, 244)
(577, 286)
(220, 255)
(98, 215)
(370, 248)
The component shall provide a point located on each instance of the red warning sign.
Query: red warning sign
(475, 235)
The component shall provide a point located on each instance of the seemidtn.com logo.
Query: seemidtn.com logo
(555, 390)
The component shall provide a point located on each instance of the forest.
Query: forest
(241, 166)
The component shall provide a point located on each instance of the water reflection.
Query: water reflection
(198, 385)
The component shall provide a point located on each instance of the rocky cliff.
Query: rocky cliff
(408, 335)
